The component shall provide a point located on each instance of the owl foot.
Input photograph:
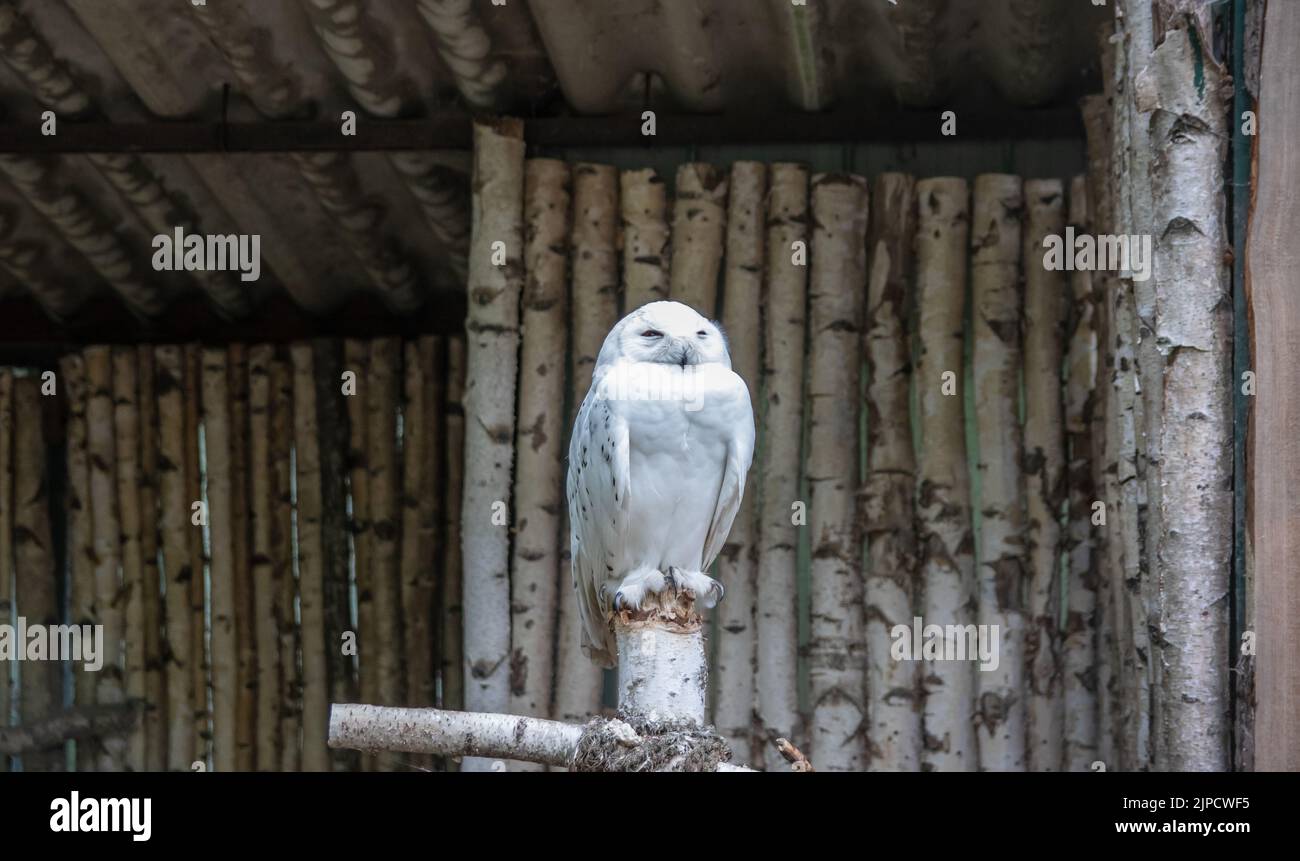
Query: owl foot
(637, 587)
(701, 586)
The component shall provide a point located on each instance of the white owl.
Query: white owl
(657, 466)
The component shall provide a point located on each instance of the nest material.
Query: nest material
(637, 743)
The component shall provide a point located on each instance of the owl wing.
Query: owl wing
(598, 479)
(740, 453)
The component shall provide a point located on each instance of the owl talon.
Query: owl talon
(701, 586)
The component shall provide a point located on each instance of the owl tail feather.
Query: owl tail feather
(603, 655)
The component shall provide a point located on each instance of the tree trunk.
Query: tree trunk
(266, 588)
(996, 304)
(126, 426)
(699, 222)
(221, 530)
(317, 642)
(646, 250)
(80, 539)
(893, 687)
(174, 511)
(1183, 91)
(733, 707)
(245, 630)
(40, 683)
(287, 697)
(356, 359)
(109, 687)
(578, 685)
(944, 532)
(492, 351)
(780, 509)
(451, 635)
(837, 650)
(1079, 647)
(155, 728)
(385, 518)
(539, 444)
(201, 665)
(1045, 488)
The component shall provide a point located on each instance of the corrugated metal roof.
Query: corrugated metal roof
(396, 224)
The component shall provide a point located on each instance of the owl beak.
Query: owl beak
(683, 353)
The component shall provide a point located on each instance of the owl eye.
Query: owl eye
(652, 333)
(702, 333)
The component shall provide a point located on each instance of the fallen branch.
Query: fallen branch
(87, 722)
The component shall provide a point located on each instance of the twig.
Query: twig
(794, 756)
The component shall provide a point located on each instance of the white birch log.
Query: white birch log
(126, 428)
(201, 665)
(699, 222)
(80, 539)
(643, 202)
(837, 649)
(317, 641)
(945, 536)
(662, 666)
(893, 686)
(1045, 488)
(1183, 91)
(1079, 646)
(380, 390)
(733, 708)
(777, 593)
(109, 598)
(221, 530)
(539, 443)
(356, 361)
(155, 729)
(495, 282)
(418, 571)
(245, 636)
(288, 698)
(40, 683)
(578, 683)
(265, 585)
(175, 526)
(996, 304)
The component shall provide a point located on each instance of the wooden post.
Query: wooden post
(288, 697)
(540, 437)
(356, 360)
(887, 520)
(837, 649)
(996, 304)
(126, 425)
(155, 727)
(1045, 489)
(266, 589)
(451, 636)
(221, 529)
(245, 629)
(733, 709)
(945, 535)
(40, 683)
(643, 200)
(777, 593)
(380, 391)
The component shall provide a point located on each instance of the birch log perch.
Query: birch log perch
(1182, 89)
(126, 427)
(317, 641)
(1045, 303)
(175, 526)
(539, 444)
(7, 532)
(109, 688)
(594, 312)
(893, 691)
(733, 708)
(1079, 646)
(837, 648)
(492, 340)
(777, 592)
(699, 223)
(996, 304)
(40, 683)
(643, 201)
(221, 529)
(945, 538)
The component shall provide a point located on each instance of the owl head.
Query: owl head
(668, 333)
